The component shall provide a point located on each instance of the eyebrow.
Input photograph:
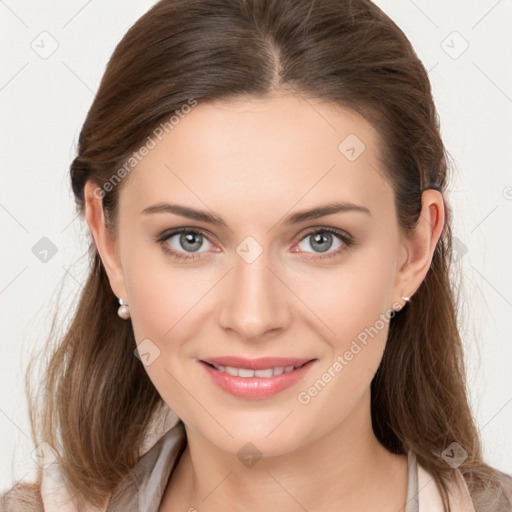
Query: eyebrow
(295, 218)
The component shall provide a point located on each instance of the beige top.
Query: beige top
(145, 490)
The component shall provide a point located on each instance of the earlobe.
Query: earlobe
(104, 239)
(421, 243)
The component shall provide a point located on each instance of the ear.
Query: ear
(419, 245)
(104, 239)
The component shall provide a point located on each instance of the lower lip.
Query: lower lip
(256, 388)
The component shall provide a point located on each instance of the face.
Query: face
(262, 281)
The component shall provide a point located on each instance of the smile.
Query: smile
(255, 379)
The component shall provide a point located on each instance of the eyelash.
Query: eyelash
(347, 240)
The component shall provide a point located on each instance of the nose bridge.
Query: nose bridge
(253, 300)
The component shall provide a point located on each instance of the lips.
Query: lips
(255, 378)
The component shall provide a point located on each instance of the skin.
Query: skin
(253, 162)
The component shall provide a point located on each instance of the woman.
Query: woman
(218, 352)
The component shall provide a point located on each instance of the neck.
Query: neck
(347, 469)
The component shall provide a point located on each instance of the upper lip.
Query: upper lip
(260, 363)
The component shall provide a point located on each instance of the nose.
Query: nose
(254, 300)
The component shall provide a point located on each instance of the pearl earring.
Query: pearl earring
(406, 299)
(123, 310)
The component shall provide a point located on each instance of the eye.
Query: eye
(186, 243)
(322, 240)
(183, 243)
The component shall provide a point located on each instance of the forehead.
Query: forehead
(279, 150)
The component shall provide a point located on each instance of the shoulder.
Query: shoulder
(23, 496)
(491, 491)
(496, 495)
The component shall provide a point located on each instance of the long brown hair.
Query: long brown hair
(98, 401)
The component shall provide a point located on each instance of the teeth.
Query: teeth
(264, 373)
(245, 372)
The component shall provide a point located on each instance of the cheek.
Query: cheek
(354, 305)
(164, 302)
(161, 300)
(346, 300)
(161, 292)
(340, 382)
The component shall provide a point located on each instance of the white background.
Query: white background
(43, 105)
